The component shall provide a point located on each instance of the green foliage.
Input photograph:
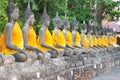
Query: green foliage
(3, 17)
(79, 8)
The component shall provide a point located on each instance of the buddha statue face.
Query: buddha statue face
(66, 23)
(31, 20)
(84, 29)
(46, 22)
(45, 18)
(68, 26)
(29, 15)
(15, 14)
(91, 30)
(12, 11)
(57, 21)
(75, 23)
(76, 26)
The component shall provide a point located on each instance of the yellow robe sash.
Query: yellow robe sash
(95, 41)
(91, 41)
(77, 38)
(85, 41)
(106, 41)
(47, 40)
(58, 39)
(32, 38)
(1, 41)
(99, 41)
(103, 41)
(69, 38)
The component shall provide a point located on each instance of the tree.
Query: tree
(80, 8)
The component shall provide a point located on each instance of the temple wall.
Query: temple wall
(65, 68)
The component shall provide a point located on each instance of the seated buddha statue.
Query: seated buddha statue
(89, 34)
(76, 39)
(114, 39)
(12, 39)
(75, 34)
(110, 38)
(103, 39)
(95, 35)
(29, 36)
(84, 39)
(58, 37)
(68, 37)
(45, 41)
(99, 38)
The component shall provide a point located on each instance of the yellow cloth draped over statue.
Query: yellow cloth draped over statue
(103, 41)
(47, 40)
(85, 42)
(99, 41)
(32, 41)
(1, 41)
(69, 38)
(106, 41)
(110, 40)
(91, 41)
(58, 39)
(95, 41)
(77, 38)
(17, 39)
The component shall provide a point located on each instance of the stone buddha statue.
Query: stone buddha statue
(103, 44)
(89, 34)
(68, 37)
(57, 35)
(99, 38)
(12, 37)
(115, 39)
(95, 35)
(45, 41)
(84, 39)
(75, 34)
(29, 36)
(76, 37)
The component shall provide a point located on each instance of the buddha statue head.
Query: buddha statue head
(29, 15)
(57, 21)
(90, 30)
(66, 23)
(75, 23)
(90, 27)
(12, 11)
(45, 19)
(84, 28)
(100, 31)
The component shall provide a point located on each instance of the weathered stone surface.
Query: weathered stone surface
(76, 67)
